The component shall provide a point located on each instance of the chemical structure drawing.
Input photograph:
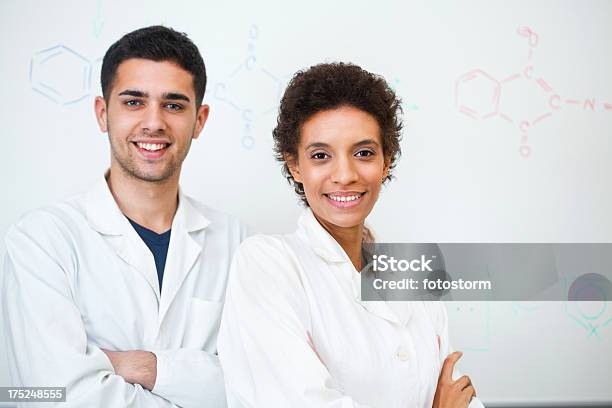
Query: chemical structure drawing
(405, 105)
(96, 71)
(588, 305)
(481, 96)
(63, 75)
(98, 20)
(60, 74)
(250, 89)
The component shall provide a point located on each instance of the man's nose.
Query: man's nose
(153, 119)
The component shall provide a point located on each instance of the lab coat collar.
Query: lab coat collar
(104, 215)
(378, 307)
(326, 247)
(192, 220)
(183, 251)
(322, 243)
(102, 211)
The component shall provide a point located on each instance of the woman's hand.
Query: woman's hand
(449, 393)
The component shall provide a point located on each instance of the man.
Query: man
(117, 294)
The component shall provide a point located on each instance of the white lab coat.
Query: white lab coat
(78, 279)
(295, 333)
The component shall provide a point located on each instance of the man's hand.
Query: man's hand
(135, 366)
(449, 393)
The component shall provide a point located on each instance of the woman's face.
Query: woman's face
(341, 165)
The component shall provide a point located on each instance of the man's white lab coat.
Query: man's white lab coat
(78, 279)
(295, 332)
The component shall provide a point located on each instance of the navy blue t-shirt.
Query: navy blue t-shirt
(158, 244)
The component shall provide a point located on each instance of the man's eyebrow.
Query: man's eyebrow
(135, 93)
(176, 96)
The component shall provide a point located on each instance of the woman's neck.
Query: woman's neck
(349, 238)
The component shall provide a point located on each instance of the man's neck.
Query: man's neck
(150, 204)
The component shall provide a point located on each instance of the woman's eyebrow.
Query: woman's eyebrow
(316, 144)
(366, 142)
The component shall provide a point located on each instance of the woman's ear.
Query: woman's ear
(293, 166)
(386, 170)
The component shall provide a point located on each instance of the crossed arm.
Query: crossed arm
(135, 366)
(48, 345)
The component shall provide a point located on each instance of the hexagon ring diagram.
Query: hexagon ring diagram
(60, 74)
(477, 94)
(264, 89)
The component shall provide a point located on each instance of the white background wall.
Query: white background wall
(461, 179)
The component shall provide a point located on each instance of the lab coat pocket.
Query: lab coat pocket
(203, 323)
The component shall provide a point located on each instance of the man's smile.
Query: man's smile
(151, 149)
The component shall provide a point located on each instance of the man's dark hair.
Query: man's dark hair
(330, 86)
(155, 43)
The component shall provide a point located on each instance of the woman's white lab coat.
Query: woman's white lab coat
(78, 279)
(294, 332)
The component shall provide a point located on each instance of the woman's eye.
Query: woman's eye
(364, 153)
(319, 156)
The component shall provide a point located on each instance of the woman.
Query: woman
(294, 331)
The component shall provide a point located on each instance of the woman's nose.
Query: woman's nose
(344, 172)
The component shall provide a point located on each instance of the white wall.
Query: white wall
(461, 179)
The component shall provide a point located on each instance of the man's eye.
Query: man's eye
(364, 153)
(132, 102)
(319, 156)
(174, 106)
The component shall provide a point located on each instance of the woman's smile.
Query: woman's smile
(344, 199)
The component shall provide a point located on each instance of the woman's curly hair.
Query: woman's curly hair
(330, 86)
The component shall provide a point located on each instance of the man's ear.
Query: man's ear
(101, 115)
(201, 118)
(293, 166)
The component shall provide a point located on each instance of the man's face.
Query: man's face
(151, 118)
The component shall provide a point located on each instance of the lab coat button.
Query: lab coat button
(403, 355)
